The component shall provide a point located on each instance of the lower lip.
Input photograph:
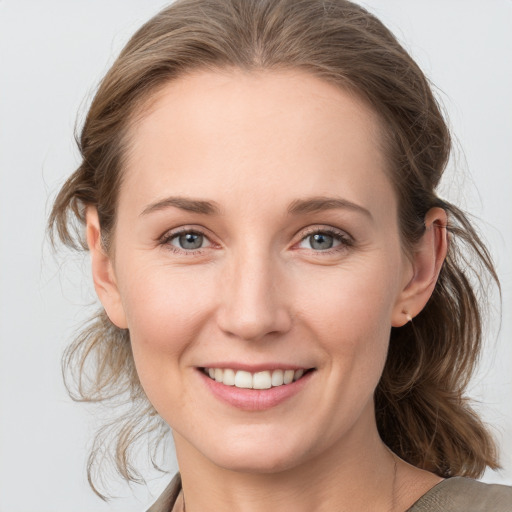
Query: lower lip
(255, 399)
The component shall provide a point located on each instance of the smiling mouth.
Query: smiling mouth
(259, 380)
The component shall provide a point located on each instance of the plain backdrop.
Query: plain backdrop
(52, 55)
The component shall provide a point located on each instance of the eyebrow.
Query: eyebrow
(189, 205)
(297, 207)
(319, 204)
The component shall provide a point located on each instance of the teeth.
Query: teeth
(277, 378)
(260, 380)
(228, 377)
(243, 379)
(288, 376)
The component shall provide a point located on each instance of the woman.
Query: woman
(281, 284)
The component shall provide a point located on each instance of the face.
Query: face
(256, 240)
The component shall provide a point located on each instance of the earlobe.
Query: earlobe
(102, 271)
(427, 260)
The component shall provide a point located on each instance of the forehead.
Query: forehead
(256, 134)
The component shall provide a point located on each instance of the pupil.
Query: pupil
(321, 241)
(191, 241)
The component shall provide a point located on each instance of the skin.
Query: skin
(257, 291)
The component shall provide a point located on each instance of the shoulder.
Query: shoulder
(465, 495)
(451, 495)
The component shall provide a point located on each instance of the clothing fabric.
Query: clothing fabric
(465, 495)
(165, 502)
(456, 494)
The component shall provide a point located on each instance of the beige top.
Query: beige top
(451, 495)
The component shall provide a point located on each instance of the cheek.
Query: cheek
(165, 309)
(348, 313)
(355, 298)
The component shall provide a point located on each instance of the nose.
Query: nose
(253, 299)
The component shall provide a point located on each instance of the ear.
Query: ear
(103, 272)
(427, 260)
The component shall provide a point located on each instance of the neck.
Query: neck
(356, 474)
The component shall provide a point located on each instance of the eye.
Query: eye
(323, 240)
(187, 241)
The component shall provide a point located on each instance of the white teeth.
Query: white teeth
(229, 377)
(277, 378)
(243, 379)
(262, 380)
(288, 376)
(259, 380)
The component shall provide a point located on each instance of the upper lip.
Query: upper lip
(254, 368)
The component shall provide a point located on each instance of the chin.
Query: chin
(258, 456)
(258, 464)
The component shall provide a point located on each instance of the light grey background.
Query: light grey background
(52, 54)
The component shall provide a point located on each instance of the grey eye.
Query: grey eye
(188, 241)
(321, 241)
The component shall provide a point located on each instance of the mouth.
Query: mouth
(260, 380)
(255, 391)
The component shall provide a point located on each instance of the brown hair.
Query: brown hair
(421, 411)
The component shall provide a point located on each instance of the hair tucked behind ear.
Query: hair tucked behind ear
(421, 410)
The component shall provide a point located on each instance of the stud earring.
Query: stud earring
(407, 315)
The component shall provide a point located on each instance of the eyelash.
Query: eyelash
(167, 238)
(345, 240)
